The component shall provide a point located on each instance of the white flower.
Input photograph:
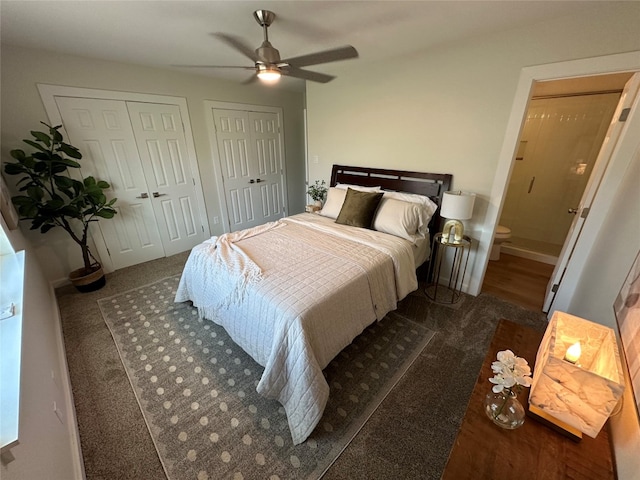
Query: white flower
(510, 371)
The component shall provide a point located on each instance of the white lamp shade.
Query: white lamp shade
(457, 205)
(580, 389)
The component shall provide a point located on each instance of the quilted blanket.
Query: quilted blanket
(303, 288)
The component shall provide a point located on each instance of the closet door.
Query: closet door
(162, 147)
(249, 152)
(101, 129)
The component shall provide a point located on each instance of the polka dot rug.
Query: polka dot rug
(197, 389)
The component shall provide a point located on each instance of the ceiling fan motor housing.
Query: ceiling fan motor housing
(267, 53)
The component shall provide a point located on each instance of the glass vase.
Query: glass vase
(504, 409)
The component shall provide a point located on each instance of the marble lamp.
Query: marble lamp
(578, 377)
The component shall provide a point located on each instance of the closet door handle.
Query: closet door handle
(156, 194)
(531, 184)
(259, 180)
(143, 195)
(252, 181)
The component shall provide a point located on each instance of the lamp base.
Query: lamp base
(453, 231)
(555, 424)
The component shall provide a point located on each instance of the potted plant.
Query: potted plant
(317, 191)
(51, 197)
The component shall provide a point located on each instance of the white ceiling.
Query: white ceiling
(163, 33)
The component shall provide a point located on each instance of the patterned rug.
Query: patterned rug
(196, 389)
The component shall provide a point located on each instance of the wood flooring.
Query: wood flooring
(518, 280)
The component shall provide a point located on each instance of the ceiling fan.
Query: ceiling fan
(268, 65)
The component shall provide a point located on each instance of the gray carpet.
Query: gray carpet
(196, 389)
(408, 436)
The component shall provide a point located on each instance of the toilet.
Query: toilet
(502, 234)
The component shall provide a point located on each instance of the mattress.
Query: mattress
(293, 294)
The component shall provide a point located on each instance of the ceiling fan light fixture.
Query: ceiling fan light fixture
(269, 74)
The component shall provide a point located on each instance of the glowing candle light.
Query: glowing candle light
(573, 353)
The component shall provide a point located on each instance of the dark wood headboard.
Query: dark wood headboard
(432, 185)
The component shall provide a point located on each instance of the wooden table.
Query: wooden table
(483, 450)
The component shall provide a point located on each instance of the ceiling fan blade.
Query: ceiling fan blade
(342, 53)
(239, 45)
(214, 66)
(307, 74)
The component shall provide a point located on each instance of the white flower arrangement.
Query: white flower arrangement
(511, 373)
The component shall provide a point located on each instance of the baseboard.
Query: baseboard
(522, 253)
(65, 381)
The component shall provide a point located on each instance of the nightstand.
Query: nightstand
(455, 254)
(531, 452)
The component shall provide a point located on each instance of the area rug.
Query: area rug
(196, 389)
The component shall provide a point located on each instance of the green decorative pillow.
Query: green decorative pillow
(359, 208)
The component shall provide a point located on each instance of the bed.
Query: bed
(293, 293)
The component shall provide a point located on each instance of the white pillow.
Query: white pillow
(425, 211)
(398, 218)
(333, 203)
(358, 187)
(414, 198)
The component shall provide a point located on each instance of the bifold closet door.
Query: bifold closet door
(162, 147)
(102, 130)
(251, 165)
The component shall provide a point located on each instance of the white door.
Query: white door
(101, 129)
(629, 94)
(251, 163)
(162, 147)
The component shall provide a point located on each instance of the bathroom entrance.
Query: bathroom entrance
(525, 267)
(557, 149)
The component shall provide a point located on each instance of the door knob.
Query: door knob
(143, 195)
(258, 180)
(156, 194)
(573, 210)
(252, 181)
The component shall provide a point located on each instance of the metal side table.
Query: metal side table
(448, 253)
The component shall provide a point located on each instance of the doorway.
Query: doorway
(557, 150)
(563, 132)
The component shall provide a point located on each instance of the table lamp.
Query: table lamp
(578, 377)
(456, 206)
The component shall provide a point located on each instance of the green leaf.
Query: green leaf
(69, 150)
(62, 182)
(43, 137)
(89, 181)
(22, 200)
(68, 162)
(13, 169)
(17, 154)
(105, 213)
(103, 184)
(35, 145)
(35, 192)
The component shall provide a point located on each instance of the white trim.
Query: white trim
(209, 106)
(48, 94)
(623, 62)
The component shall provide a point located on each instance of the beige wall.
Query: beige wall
(47, 447)
(22, 110)
(446, 110)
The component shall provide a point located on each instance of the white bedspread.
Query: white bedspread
(298, 291)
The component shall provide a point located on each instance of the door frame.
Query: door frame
(209, 106)
(49, 92)
(623, 62)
